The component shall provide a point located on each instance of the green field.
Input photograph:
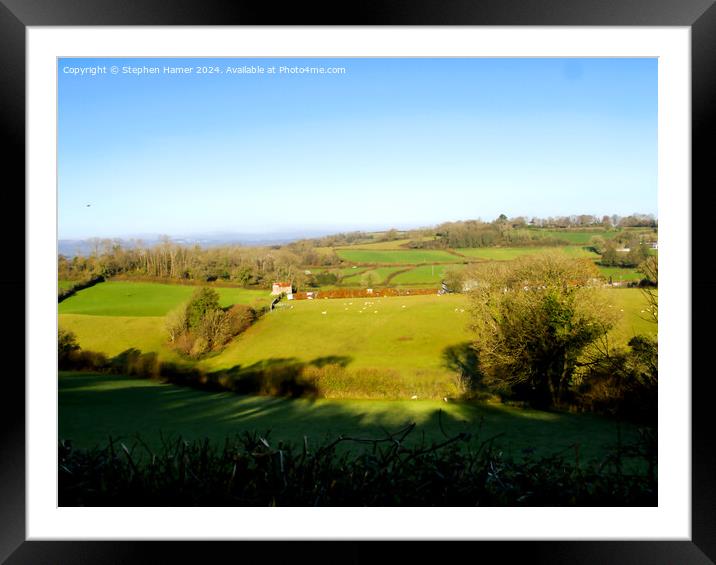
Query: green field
(148, 299)
(407, 256)
(113, 334)
(620, 273)
(509, 253)
(632, 305)
(401, 336)
(94, 407)
(395, 244)
(380, 275)
(349, 271)
(426, 274)
(574, 236)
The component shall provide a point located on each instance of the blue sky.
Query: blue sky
(388, 143)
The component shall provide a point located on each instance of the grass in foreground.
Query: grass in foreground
(94, 407)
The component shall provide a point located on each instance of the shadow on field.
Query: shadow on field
(94, 407)
(283, 377)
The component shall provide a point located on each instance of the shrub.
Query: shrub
(199, 346)
(202, 301)
(201, 325)
(66, 343)
(240, 317)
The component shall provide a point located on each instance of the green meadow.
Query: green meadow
(113, 334)
(399, 336)
(620, 273)
(379, 275)
(395, 346)
(509, 253)
(94, 407)
(634, 317)
(575, 236)
(425, 274)
(119, 298)
(405, 256)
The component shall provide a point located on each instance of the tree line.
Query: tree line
(247, 266)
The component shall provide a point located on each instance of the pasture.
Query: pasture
(113, 334)
(510, 253)
(425, 274)
(399, 338)
(94, 407)
(378, 276)
(119, 298)
(576, 237)
(404, 256)
(620, 273)
(635, 319)
(394, 244)
(399, 344)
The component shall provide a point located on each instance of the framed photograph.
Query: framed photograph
(193, 122)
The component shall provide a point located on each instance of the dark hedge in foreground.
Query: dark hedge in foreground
(249, 471)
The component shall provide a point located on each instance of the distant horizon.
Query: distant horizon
(310, 233)
(395, 141)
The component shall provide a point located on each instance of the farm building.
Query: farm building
(467, 286)
(281, 288)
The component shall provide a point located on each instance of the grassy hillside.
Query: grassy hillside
(113, 334)
(148, 299)
(93, 407)
(396, 335)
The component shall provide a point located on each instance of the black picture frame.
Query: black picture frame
(16, 15)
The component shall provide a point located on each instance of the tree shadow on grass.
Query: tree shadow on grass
(282, 377)
(274, 396)
(463, 359)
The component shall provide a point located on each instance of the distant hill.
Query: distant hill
(73, 247)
